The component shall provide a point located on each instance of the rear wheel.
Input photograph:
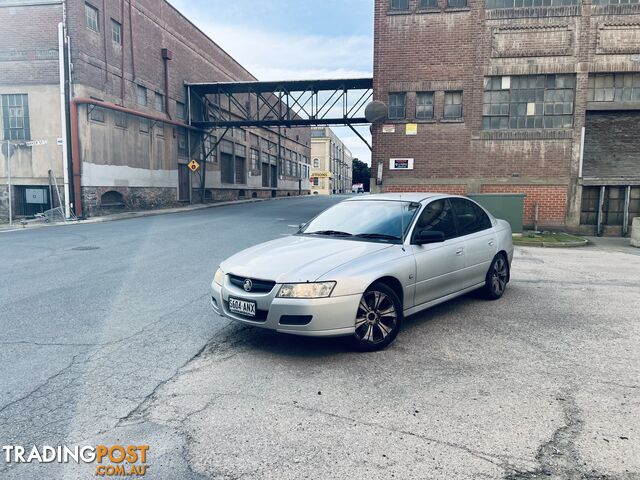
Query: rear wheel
(497, 278)
(378, 318)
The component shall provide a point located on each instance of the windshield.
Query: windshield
(376, 220)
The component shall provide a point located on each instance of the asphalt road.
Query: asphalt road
(108, 338)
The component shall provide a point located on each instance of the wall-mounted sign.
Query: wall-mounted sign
(32, 143)
(35, 195)
(412, 129)
(401, 164)
(324, 174)
(388, 129)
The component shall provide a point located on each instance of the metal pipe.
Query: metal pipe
(104, 39)
(625, 219)
(9, 182)
(63, 118)
(133, 61)
(122, 52)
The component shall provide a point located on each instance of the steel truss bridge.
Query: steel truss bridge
(295, 103)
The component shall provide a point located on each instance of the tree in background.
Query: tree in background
(361, 173)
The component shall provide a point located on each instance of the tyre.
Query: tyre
(378, 318)
(497, 278)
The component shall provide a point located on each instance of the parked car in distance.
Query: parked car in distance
(361, 266)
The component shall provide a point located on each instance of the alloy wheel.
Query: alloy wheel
(499, 276)
(376, 317)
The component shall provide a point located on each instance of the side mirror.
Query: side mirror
(425, 236)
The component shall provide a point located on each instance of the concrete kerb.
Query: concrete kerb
(582, 243)
(140, 214)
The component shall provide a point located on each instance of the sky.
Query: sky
(293, 39)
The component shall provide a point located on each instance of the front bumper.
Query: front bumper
(330, 317)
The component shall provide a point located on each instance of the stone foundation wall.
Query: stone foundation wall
(133, 198)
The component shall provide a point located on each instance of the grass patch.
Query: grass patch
(546, 238)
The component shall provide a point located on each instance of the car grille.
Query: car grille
(259, 286)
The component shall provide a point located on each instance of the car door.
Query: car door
(479, 238)
(439, 266)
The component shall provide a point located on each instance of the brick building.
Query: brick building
(127, 129)
(540, 97)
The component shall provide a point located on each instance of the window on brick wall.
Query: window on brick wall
(181, 112)
(96, 113)
(92, 17)
(456, 3)
(255, 159)
(453, 105)
(428, 4)
(399, 5)
(141, 95)
(159, 102)
(492, 4)
(397, 105)
(116, 32)
(528, 101)
(614, 87)
(144, 125)
(15, 117)
(120, 119)
(424, 105)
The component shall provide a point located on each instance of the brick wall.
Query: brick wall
(455, 49)
(551, 200)
(450, 189)
(29, 47)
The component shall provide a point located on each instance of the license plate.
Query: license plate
(242, 307)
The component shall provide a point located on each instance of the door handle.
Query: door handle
(459, 251)
(491, 242)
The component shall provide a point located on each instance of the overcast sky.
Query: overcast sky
(293, 39)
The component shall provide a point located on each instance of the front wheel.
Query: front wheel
(378, 318)
(497, 277)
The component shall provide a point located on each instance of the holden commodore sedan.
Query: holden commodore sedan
(358, 268)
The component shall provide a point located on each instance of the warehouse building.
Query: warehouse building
(539, 97)
(125, 127)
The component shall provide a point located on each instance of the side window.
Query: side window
(438, 217)
(469, 216)
(483, 218)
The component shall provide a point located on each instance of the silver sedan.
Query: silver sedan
(362, 265)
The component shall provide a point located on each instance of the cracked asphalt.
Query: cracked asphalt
(118, 345)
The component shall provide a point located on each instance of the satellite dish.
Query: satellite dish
(376, 112)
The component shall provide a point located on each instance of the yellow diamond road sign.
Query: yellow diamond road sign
(193, 165)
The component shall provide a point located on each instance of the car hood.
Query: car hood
(297, 258)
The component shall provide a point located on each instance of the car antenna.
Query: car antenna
(402, 224)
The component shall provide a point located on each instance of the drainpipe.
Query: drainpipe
(75, 137)
(63, 115)
(122, 53)
(166, 56)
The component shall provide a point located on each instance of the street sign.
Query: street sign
(193, 166)
(32, 143)
(7, 149)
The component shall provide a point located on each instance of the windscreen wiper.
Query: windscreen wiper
(336, 233)
(381, 236)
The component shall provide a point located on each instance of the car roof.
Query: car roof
(402, 196)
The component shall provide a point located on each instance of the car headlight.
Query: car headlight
(219, 277)
(306, 290)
